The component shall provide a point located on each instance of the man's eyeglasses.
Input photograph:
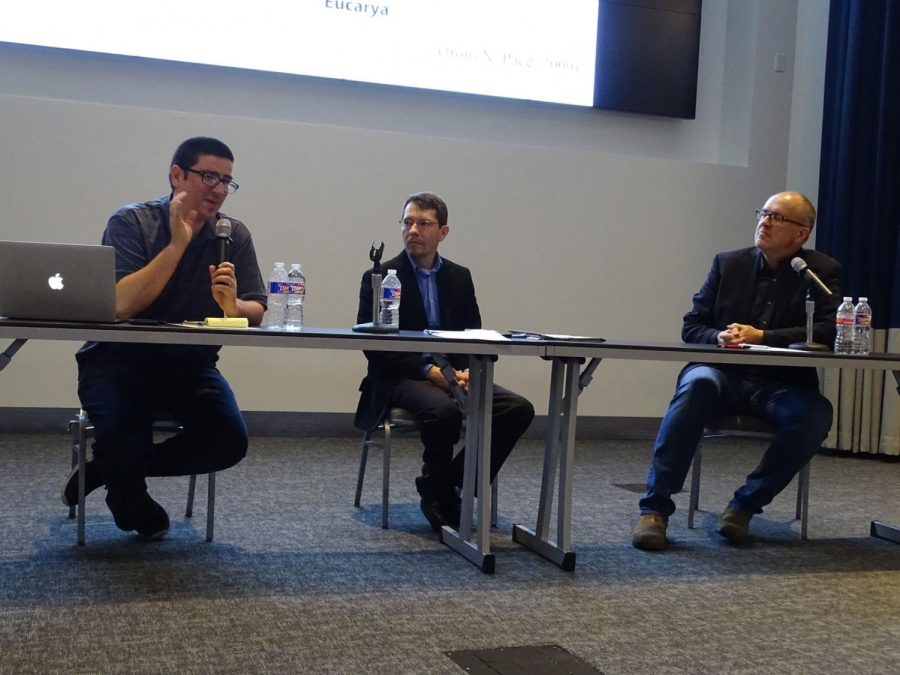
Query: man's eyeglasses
(761, 214)
(212, 179)
(423, 224)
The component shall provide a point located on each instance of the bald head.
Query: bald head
(783, 225)
(800, 206)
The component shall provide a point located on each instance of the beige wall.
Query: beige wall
(577, 221)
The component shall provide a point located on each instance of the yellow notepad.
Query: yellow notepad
(226, 322)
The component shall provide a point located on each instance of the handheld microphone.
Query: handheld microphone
(223, 232)
(800, 267)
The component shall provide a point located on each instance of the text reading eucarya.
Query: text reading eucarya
(358, 7)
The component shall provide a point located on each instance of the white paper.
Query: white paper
(474, 334)
(764, 348)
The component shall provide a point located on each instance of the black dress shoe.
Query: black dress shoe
(431, 509)
(452, 510)
(92, 481)
(134, 509)
(124, 504)
(153, 521)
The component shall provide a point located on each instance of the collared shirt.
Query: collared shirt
(765, 297)
(138, 232)
(766, 292)
(426, 280)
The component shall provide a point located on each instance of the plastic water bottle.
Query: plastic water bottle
(295, 297)
(862, 327)
(276, 313)
(843, 339)
(390, 301)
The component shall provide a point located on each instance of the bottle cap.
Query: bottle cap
(392, 271)
(863, 299)
(847, 298)
(278, 264)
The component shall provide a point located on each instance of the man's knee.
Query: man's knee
(228, 443)
(819, 415)
(700, 384)
(524, 409)
(235, 448)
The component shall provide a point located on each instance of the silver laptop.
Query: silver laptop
(57, 282)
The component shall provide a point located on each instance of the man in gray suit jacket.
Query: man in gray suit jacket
(436, 294)
(751, 296)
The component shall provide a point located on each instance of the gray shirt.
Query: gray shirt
(138, 233)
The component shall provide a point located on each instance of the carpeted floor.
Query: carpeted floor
(298, 580)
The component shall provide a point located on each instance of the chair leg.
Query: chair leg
(362, 466)
(76, 450)
(83, 430)
(192, 486)
(385, 471)
(210, 505)
(385, 474)
(694, 498)
(803, 499)
(210, 502)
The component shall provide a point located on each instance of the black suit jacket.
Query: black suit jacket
(459, 310)
(727, 297)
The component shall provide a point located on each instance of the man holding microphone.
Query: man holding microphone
(168, 270)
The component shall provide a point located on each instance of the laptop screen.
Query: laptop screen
(57, 282)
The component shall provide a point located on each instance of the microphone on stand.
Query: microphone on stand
(800, 267)
(223, 232)
(375, 325)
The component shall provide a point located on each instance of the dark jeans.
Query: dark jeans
(122, 400)
(800, 414)
(440, 420)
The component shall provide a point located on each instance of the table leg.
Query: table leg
(7, 355)
(882, 530)
(475, 547)
(565, 387)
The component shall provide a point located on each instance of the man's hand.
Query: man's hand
(224, 287)
(436, 377)
(184, 222)
(740, 333)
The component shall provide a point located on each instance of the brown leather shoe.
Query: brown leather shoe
(734, 525)
(650, 532)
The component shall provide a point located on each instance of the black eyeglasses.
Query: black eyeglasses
(776, 217)
(212, 179)
(409, 222)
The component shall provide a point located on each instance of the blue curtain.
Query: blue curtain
(859, 180)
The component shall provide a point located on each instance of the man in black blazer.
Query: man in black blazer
(436, 294)
(751, 296)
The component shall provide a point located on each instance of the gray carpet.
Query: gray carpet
(298, 580)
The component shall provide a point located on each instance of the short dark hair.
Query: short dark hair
(428, 201)
(190, 150)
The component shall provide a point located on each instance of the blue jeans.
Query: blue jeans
(800, 414)
(123, 398)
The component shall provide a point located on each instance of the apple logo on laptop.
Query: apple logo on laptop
(55, 282)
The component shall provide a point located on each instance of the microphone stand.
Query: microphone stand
(809, 345)
(376, 325)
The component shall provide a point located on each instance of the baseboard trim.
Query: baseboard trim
(15, 420)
